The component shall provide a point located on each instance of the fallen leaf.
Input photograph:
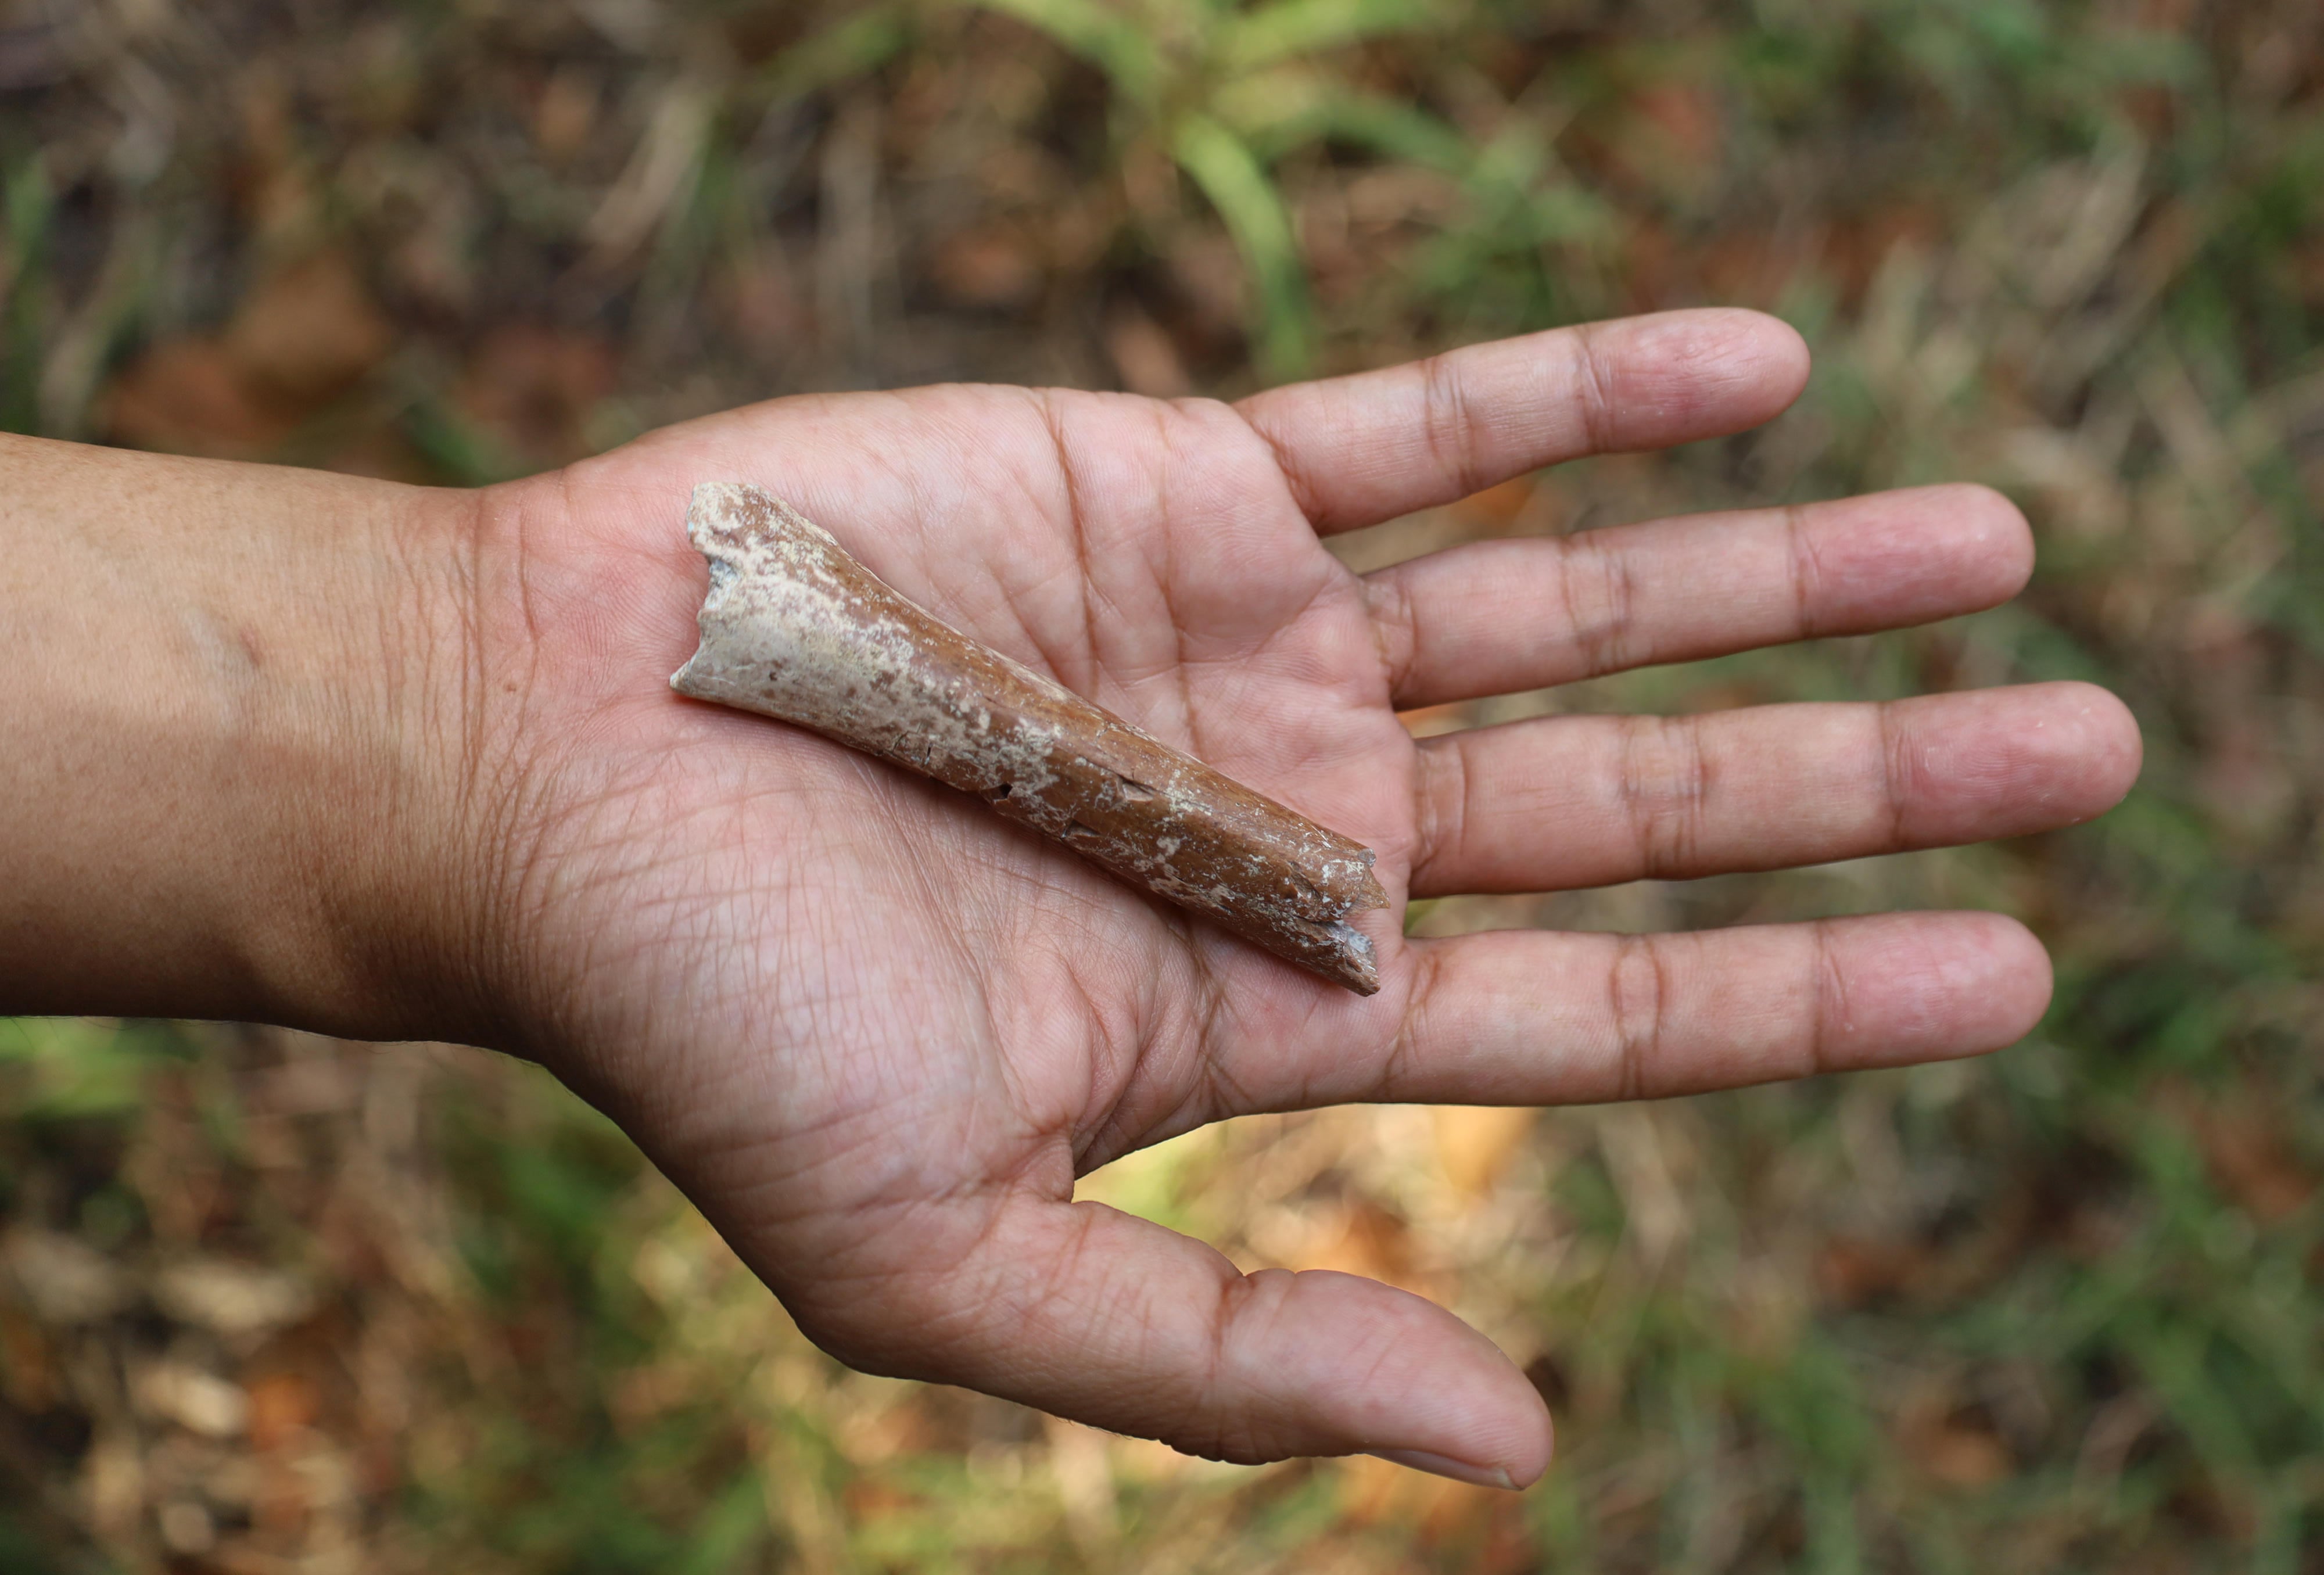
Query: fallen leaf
(1963, 1457)
(186, 396)
(28, 1363)
(1497, 508)
(1548, 1377)
(1854, 248)
(281, 1406)
(285, 1495)
(1370, 1241)
(764, 305)
(866, 1499)
(186, 1528)
(33, 55)
(1209, 275)
(230, 1299)
(1956, 1444)
(1475, 1143)
(1429, 721)
(306, 332)
(1686, 117)
(1144, 358)
(1371, 1488)
(64, 1280)
(200, 1402)
(566, 113)
(2246, 1148)
(1081, 1461)
(994, 267)
(2252, 1163)
(533, 388)
(1854, 1273)
(2308, 270)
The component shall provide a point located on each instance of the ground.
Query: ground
(270, 1303)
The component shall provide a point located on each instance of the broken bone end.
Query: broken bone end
(730, 522)
(1359, 964)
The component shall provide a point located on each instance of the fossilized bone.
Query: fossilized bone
(793, 628)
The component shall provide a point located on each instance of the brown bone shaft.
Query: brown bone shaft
(793, 628)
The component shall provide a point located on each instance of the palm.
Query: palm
(876, 1033)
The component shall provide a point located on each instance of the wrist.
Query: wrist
(382, 871)
(228, 743)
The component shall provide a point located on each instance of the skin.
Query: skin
(398, 763)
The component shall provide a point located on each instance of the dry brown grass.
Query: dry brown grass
(274, 1304)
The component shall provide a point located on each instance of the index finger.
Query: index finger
(1357, 450)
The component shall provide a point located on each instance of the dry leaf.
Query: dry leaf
(1367, 1240)
(2252, 1161)
(1854, 1273)
(230, 1299)
(1964, 1456)
(281, 1406)
(309, 331)
(186, 396)
(1431, 721)
(567, 113)
(1685, 120)
(28, 1363)
(2245, 1146)
(1474, 1143)
(764, 307)
(186, 1528)
(199, 1402)
(533, 388)
(992, 267)
(1497, 508)
(63, 1279)
(1144, 358)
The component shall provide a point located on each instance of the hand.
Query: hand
(300, 748)
(875, 1033)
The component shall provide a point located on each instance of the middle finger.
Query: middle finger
(1573, 801)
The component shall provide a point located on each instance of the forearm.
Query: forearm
(229, 697)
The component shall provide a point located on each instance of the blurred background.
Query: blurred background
(270, 1303)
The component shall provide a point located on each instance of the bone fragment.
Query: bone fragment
(793, 628)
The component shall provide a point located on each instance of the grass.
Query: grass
(2057, 1310)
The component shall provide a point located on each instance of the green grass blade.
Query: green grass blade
(1291, 28)
(840, 52)
(1238, 186)
(1282, 109)
(1116, 47)
(27, 203)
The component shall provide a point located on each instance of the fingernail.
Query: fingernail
(1445, 1466)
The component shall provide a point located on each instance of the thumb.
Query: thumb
(1094, 1315)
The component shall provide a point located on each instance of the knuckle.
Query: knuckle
(1665, 787)
(1637, 999)
(1594, 390)
(1827, 995)
(1227, 1418)
(1396, 627)
(1900, 770)
(1445, 417)
(1597, 587)
(1441, 811)
(1808, 578)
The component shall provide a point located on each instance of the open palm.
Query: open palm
(876, 1033)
